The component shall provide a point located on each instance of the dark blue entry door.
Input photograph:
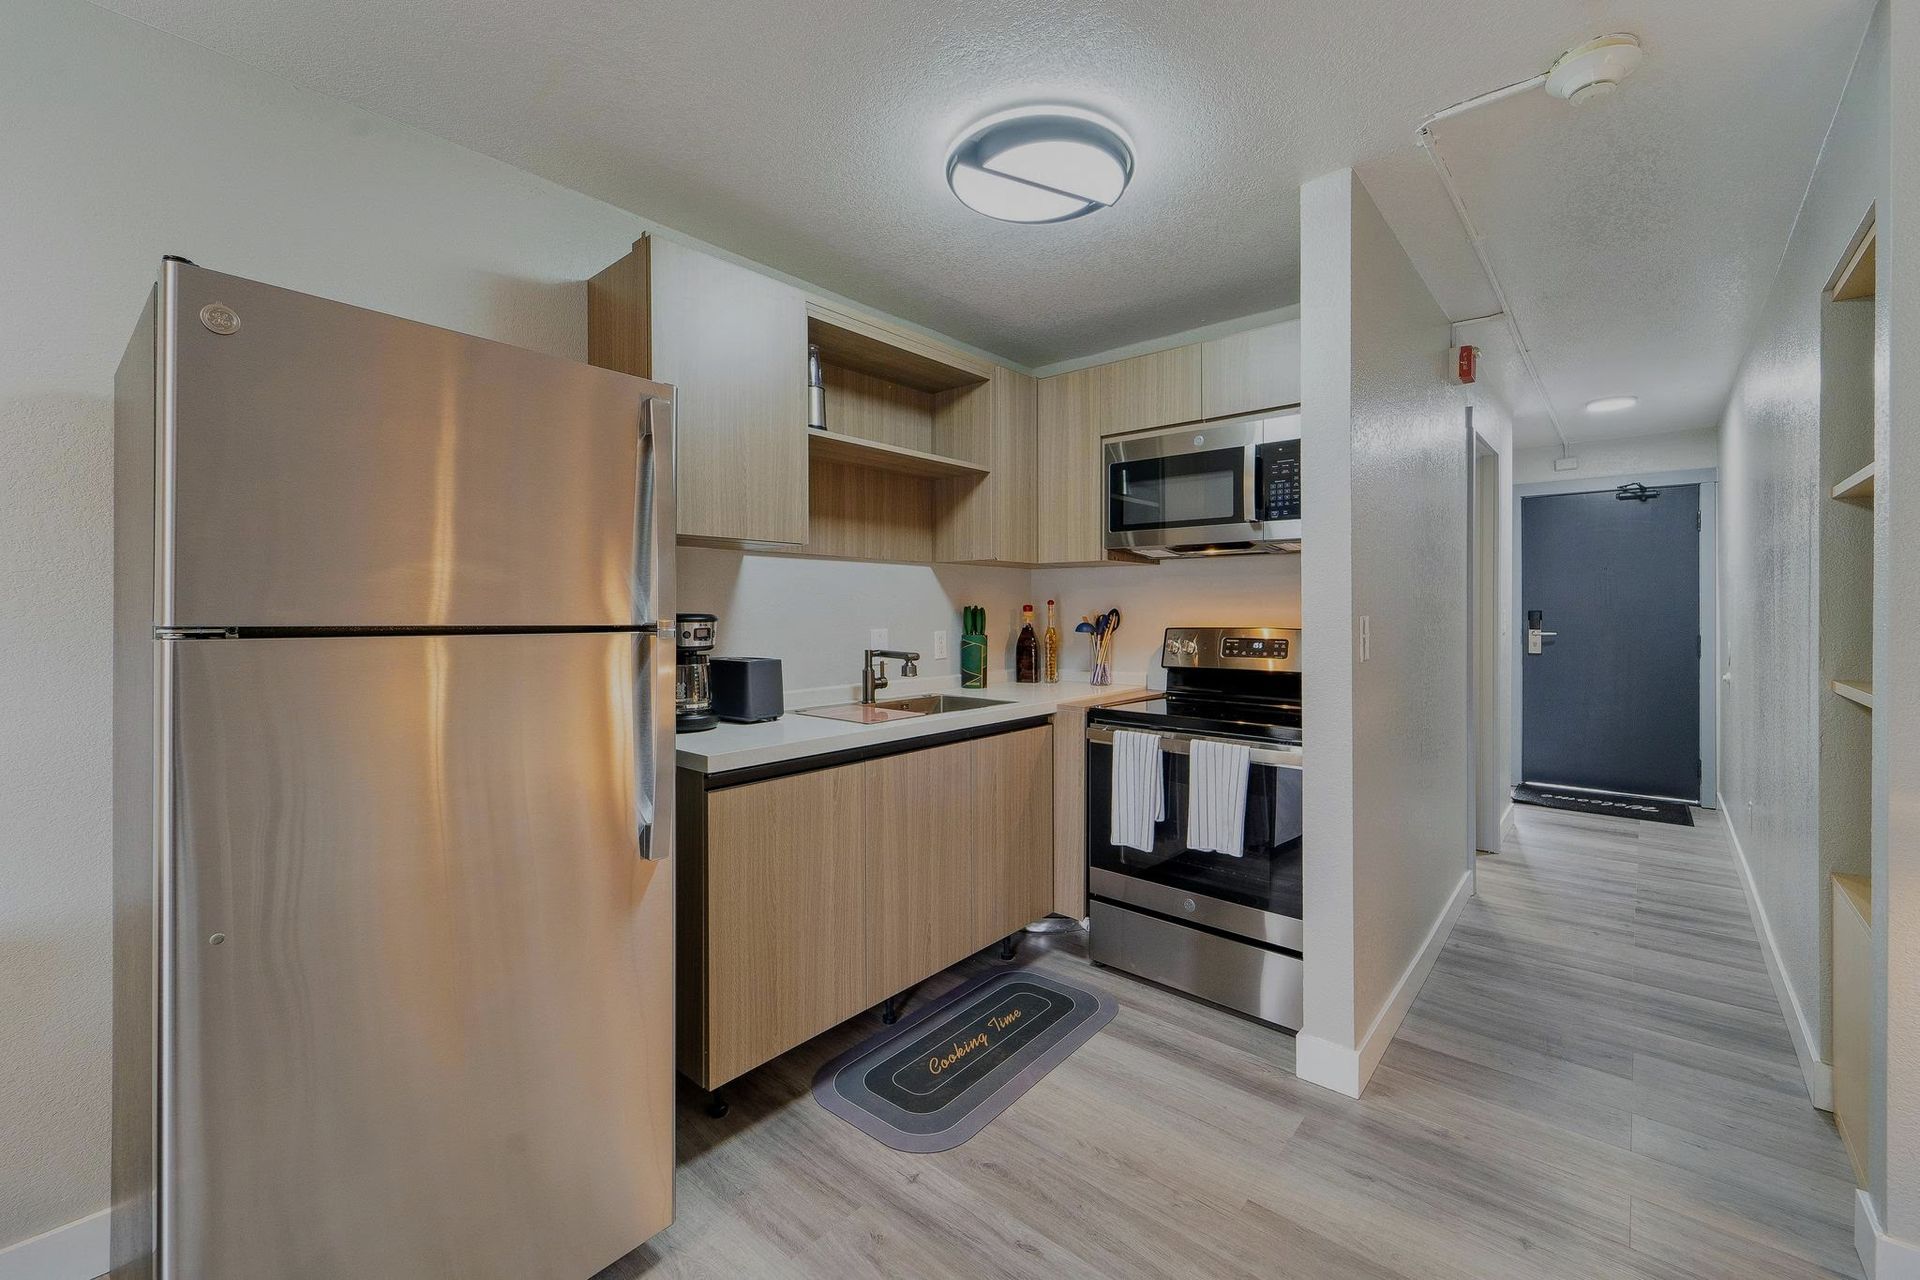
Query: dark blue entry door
(1612, 700)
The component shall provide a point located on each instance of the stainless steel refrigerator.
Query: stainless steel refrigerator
(393, 753)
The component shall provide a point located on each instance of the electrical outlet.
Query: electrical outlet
(877, 638)
(939, 644)
(1366, 636)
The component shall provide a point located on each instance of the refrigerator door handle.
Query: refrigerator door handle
(653, 675)
(654, 534)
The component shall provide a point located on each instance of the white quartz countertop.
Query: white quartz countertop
(795, 736)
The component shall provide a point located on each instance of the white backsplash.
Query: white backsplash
(816, 615)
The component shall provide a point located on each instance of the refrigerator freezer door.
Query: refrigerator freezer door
(420, 1007)
(325, 467)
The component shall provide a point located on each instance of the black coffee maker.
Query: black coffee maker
(692, 683)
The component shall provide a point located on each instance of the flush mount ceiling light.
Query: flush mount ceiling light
(1594, 69)
(1612, 404)
(1040, 164)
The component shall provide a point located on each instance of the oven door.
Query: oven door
(1184, 487)
(1256, 896)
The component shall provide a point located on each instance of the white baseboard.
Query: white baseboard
(1883, 1256)
(78, 1251)
(1817, 1073)
(1344, 1070)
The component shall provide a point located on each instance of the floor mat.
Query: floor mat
(941, 1076)
(1667, 811)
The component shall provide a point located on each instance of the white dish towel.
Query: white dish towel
(1217, 797)
(1139, 798)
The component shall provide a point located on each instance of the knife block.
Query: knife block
(973, 662)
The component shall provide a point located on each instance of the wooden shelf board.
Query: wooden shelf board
(887, 457)
(1860, 691)
(867, 346)
(1855, 278)
(1858, 487)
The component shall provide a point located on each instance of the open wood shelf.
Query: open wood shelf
(1860, 691)
(869, 346)
(857, 452)
(1858, 487)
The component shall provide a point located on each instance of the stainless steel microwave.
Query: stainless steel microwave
(1213, 488)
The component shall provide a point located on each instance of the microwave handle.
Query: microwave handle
(1250, 475)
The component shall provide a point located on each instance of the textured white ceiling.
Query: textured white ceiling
(1636, 238)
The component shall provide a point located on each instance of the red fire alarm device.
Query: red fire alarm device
(1466, 363)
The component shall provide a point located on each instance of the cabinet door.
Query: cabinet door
(1142, 392)
(1245, 372)
(991, 424)
(921, 822)
(785, 952)
(1013, 790)
(1071, 483)
(1078, 409)
(734, 344)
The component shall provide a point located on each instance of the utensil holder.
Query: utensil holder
(973, 662)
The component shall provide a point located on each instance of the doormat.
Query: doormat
(1667, 811)
(940, 1077)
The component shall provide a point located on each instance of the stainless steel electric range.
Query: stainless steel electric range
(1222, 927)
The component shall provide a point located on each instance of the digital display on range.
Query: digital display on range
(1254, 647)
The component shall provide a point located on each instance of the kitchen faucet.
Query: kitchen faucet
(871, 683)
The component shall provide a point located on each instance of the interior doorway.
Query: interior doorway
(1614, 604)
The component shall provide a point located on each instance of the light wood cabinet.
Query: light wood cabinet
(989, 519)
(807, 898)
(1246, 372)
(1077, 410)
(782, 942)
(734, 345)
(923, 824)
(1013, 789)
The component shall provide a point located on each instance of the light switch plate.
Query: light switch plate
(877, 638)
(1366, 636)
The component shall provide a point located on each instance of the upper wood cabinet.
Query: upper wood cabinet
(1245, 372)
(989, 519)
(734, 345)
(1067, 520)
(1078, 409)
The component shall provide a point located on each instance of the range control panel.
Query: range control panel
(1276, 479)
(1247, 648)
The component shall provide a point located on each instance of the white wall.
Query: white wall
(1385, 454)
(1634, 455)
(1254, 591)
(1773, 493)
(815, 615)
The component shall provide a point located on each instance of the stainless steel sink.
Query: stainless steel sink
(929, 704)
(926, 704)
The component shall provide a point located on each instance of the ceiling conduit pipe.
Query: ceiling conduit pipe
(1430, 145)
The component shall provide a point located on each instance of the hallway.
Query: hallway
(1594, 1082)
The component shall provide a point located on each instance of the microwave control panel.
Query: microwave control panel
(1276, 476)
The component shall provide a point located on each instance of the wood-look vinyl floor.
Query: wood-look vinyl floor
(1595, 1081)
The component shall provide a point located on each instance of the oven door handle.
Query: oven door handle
(1181, 744)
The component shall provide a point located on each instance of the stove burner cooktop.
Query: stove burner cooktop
(1266, 722)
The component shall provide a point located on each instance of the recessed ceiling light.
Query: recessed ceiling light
(1040, 164)
(1612, 404)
